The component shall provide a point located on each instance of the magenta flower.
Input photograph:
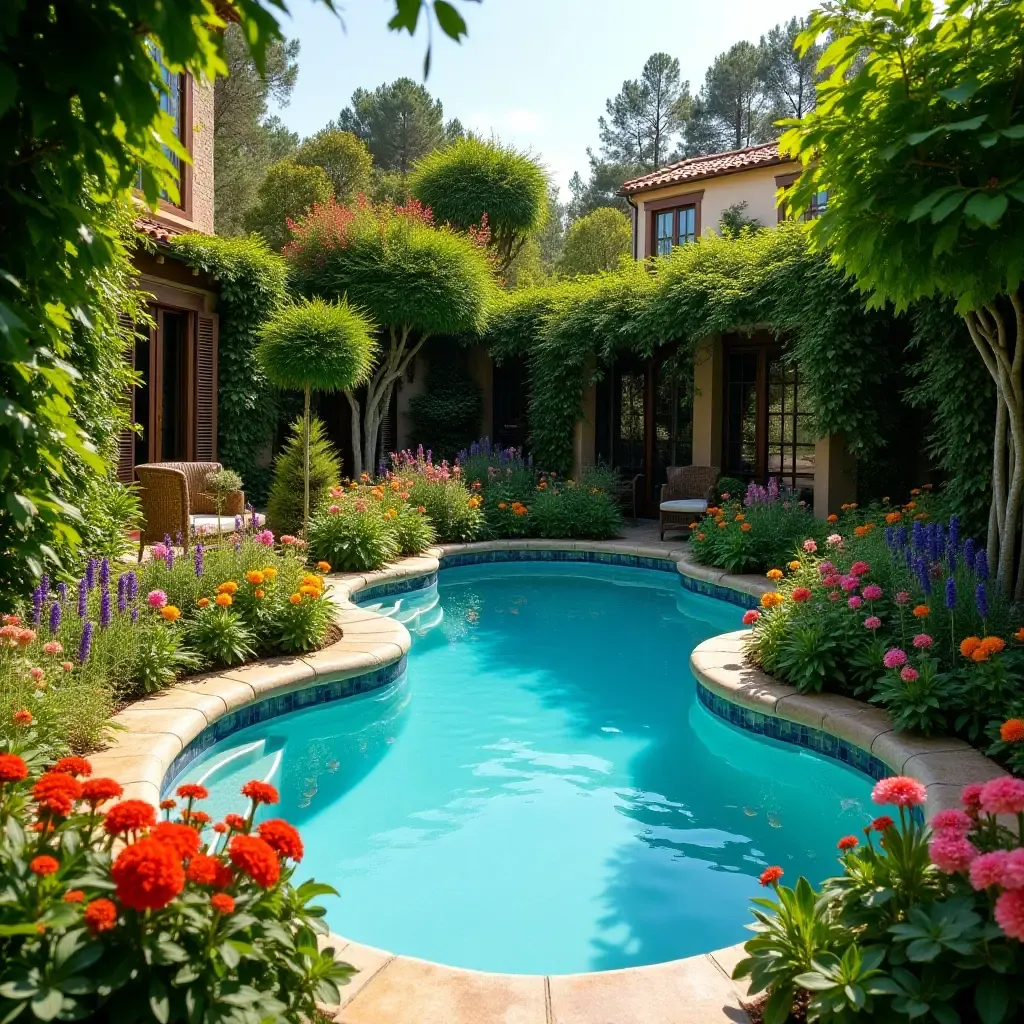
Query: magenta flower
(859, 568)
(1003, 796)
(902, 597)
(832, 580)
(334, 509)
(894, 657)
(987, 869)
(826, 568)
(951, 851)
(908, 674)
(849, 583)
(1009, 913)
(855, 601)
(922, 640)
(872, 622)
(872, 591)
(156, 599)
(954, 818)
(265, 537)
(159, 551)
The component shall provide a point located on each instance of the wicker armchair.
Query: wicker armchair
(174, 502)
(686, 495)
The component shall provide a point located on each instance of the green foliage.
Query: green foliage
(596, 242)
(472, 182)
(284, 507)
(219, 485)
(316, 344)
(450, 508)
(301, 625)
(287, 193)
(734, 219)
(110, 510)
(252, 287)
(344, 157)
(354, 537)
(220, 637)
(574, 510)
(729, 487)
(158, 659)
(414, 530)
(446, 415)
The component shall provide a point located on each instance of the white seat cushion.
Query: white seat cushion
(698, 506)
(211, 525)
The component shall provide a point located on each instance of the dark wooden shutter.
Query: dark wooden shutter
(126, 439)
(206, 387)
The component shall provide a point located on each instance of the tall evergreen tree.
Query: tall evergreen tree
(790, 77)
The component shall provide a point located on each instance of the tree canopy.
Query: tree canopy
(344, 157)
(287, 192)
(596, 242)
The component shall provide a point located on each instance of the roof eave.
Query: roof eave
(774, 162)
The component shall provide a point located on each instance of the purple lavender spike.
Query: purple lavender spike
(86, 645)
(44, 585)
(238, 524)
(83, 597)
(37, 605)
(55, 614)
(105, 610)
(199, 560)
(132, 586)
(135, 615)
(105, 573)
(177, 538)
(122, 594)
(170, 558)
(62, 591)
(90, 573)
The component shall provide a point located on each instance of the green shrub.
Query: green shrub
(158, 658)
(284, 508)
(576, 511)
(455, 514)
(446, 416)
(414, 531)
(220, 636)
(729, 487)
(352, 534)
(300, 624)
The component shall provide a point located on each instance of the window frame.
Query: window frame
(786, 181)
(674, 205)
(182, 210)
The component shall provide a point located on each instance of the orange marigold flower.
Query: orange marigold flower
(166, 805)
(832, 518)
(794, 565)
(1012, 730)
(775, 574)
(993, 644)
(281, 837)
(203, 602)
(170, 613)
(182, 839)
(860, 531)
(701, 536)
(129, 816)
(222, 903)
(693, 526)
(969, 645)
(199, 818)
(1019, 635)
(745, 527)
(309, 591)
(100, 916)
(295, 598)
(73, 766)
(721, 524)
(254, 576)
(269, 573)
(148, 875)
(228, 587)
(224, 600)
(23, 717)
(43, 865)
(235, 821)
(74, 896)
(980, 654)
(847, 842)
(12, 768)
(770, 875)
(740, 517)
(97, 791)
(57, 792)
(254, 857)
(258, 594)
(324, 566)
(504, 505)
(922, 611)
(260, 792)
(893, 517)
(772, 599)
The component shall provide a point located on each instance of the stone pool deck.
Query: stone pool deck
(157, 734)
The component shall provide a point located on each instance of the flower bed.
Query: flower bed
(111, 914)
(896, 608)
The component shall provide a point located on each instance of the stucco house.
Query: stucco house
(175, 404)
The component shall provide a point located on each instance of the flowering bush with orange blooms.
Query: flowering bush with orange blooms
(111, 914)
(922, 923)
(900, 610)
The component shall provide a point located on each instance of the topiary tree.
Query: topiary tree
(284, 507)
(344, 157)
(414, 279)
(918, 142)
(596, 242)
(287, 192)
(316, 344)
(476, 184)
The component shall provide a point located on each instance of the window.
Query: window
(172, 102)
(819, 201)
(674, 227)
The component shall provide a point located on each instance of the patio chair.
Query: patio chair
(686, 496)
(174, 501)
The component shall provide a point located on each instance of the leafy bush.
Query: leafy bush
(569, 509)
(301, 623)
(220, 636)
(284, 507)
(219, 486)
(926, 925)
(729, 487)
(414, 531)
(174, 918)
(455, 514)
(353, 534)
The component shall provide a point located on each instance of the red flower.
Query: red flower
(167, 805)
(800, 594)
(235, 821)
(57, 792)
(129, 816)
(192, 791)
(74, 896)
(43, 865)
(260, 792)
(100, 916)
(219, 827)
(882, 822)
(770, 875)
(199, 818)
(96, 791)
(281, 837)
(73, 766)
(222, 903)
(148, 874)
(23, 717)
(254, 857)
(180, 838)
(204, 869)
(12, 768)
(847, 842)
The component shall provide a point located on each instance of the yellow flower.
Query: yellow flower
(223, 600)
(794, 565)
(772, 599)
(309, 591)
(295, 598)
(254, 576)
(170, 613)
(228, 587)
(203, 602)
(324, 566)
(392, 513)
(775, 574)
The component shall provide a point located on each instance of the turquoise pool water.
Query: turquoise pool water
(542, 791)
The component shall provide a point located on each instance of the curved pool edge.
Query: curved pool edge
(154, 733)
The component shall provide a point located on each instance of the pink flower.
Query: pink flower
(832, 580)
(360, 506)
(750, 617)
(987, 869)
(922, 640)
(158, 551)
(264, 537)
(909, 674)
(894, 657)
(971, 798)
(872, 591)
(334, 510)
(809, 546)
(1013, 869)
(53, 647)
(900, 790)
(849, 583)
(952, 818)
(288, 540)
(337, 492)
(36, 673)
(834, 540)
(872, 621)
(951, 851)
(1010, 913)
(156, 599)
(826, 568)
(859, 568)
(834, 595)
(855, 602)
(902, 597)
(1003, 796)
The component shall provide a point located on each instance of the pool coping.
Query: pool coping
(157, 735)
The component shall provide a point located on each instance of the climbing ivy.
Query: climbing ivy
(252, 285)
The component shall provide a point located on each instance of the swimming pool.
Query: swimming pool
(542, 792)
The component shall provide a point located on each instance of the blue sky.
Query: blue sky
(535, 73)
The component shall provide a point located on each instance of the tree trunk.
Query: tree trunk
(1001, 347)
(357, 452)
(305, 466)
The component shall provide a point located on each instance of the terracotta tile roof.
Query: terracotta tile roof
(711, 166)
(156, 230)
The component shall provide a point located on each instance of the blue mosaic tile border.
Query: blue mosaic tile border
(379, 590)
(715, 590)
(281, 704)
(793, 732)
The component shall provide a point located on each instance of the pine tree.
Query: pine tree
(284, 508)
